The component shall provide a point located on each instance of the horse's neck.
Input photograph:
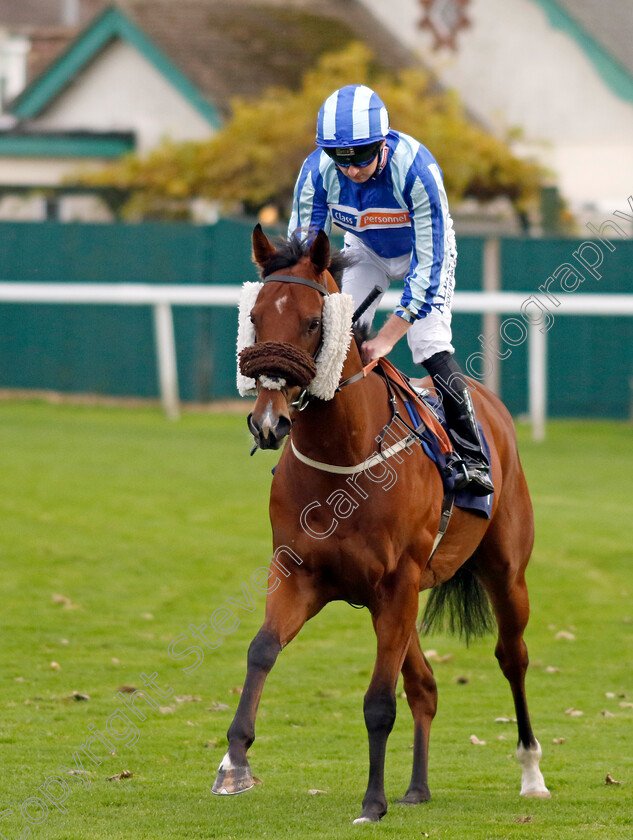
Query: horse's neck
(342, 430)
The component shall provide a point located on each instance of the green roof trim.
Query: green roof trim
(614, 74)
(64, 146)
(110, 25)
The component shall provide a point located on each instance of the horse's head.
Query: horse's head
(295, 331)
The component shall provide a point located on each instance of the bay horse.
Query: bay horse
(348, 534)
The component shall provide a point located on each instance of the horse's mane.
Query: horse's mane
(288, 252)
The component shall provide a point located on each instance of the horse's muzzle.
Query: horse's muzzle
(270, 431)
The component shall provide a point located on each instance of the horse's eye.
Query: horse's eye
(314, 325)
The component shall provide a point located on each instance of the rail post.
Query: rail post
(537, 375)
(166, 359)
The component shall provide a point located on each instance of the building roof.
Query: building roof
(214, 50)
(603, 30)
(24, 14)
(610, 22)
(240, 47)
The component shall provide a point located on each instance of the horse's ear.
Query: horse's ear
(320, 252)
(262, 248)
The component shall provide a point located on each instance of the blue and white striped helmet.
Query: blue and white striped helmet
(354, 115)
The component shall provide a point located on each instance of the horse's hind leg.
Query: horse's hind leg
(421, 691)
(287, 610)
(508, 592)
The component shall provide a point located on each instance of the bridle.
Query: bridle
(299, 281)
(277, 382)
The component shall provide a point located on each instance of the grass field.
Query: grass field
(119, 530)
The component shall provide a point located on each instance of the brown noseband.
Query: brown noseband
(277, 358)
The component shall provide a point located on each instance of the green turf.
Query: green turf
(148, 526)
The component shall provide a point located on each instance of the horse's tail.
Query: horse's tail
(465, 601)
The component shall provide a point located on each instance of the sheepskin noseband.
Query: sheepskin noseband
(291, 362)
(278, 359)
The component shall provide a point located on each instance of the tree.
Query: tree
(254, 160)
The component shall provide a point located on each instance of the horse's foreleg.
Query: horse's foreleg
(393, 623)
(287, 610)
(421, 691)
(510, 600)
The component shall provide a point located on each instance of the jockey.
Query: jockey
(386, 191)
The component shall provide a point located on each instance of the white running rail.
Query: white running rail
(163, 298)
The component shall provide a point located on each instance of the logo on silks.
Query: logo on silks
(376, 219)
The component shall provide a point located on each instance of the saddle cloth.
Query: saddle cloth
(426, 414)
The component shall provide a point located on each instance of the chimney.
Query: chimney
(70, 12)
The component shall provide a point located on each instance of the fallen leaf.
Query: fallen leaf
(114, 660)
(609, 780)
(218, 707)
(188, 698)
(565, 634)
(558, 740)
(624, 705)
(607, 713)
(166, 710)
(124, 774)
(77, 696)
(573, 712)
(461, 680)
(551, 669)
(505, 720)
(63, 600)
(610, 695)
(314, 791)
(126, 689)
(18, 679)
(147, 616)
(55, 666)
(236, 690)
(475, 740)
(523, 820)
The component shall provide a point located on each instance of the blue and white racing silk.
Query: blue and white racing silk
(401, 210)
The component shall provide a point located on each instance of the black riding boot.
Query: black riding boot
(451, 385)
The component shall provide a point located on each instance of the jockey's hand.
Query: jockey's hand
(374, 349)
(383, 343)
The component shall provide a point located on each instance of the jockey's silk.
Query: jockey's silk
(401, 210)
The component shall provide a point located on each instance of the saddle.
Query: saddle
(428, 423)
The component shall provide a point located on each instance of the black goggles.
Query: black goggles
(354, 155)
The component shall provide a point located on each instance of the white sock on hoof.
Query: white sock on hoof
(532, 781)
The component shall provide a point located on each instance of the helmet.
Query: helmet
(352, 116)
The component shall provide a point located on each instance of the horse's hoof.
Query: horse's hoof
(537, 794)
(231, 779)
(371, 815)
(415, 797)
